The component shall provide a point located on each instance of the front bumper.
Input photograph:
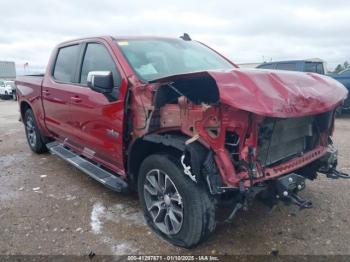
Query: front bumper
(289, 166)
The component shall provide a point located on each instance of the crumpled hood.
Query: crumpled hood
(274, 93)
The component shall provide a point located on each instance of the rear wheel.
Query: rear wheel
(33, 135)
(175, 207)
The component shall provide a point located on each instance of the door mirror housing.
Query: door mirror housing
(100, 81)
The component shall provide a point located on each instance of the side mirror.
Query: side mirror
(100, 81)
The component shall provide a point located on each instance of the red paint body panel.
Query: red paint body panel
(56, 101)
(29, 91)
(275, 93)
(92, 117)
(81, 117)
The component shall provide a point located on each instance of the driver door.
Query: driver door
(97, 119)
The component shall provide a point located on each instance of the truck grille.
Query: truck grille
(280, 139)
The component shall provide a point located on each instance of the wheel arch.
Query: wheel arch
(173, 144)
(24, 106)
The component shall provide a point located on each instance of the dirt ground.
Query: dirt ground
(49, 207)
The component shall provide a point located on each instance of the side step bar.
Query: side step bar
(103, 176)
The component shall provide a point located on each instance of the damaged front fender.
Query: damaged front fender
(226, 111)
(273, 93)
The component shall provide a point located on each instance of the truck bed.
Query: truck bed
(28, 89)
(35, 80)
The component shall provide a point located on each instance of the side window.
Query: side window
(65, 63)
(311, 67)
(286, 66)
(320, 69)
(267, 66)
(97, 58)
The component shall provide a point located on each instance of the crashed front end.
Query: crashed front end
(259, 126)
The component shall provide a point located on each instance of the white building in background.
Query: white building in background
(7, 70)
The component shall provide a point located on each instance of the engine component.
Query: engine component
(329, 163)
(187, 169)
(283, 138)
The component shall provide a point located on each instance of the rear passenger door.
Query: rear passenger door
(97, 119)
(56, 91)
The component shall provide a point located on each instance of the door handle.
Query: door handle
(76, 99)
(46, 92)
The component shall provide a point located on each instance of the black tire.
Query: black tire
(14, 97)
(198, 217)
(34, 137)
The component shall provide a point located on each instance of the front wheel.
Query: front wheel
(175, 207)
(33, 135)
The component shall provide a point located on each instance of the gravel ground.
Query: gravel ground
(49, 207)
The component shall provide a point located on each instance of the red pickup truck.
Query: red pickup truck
(183, 126)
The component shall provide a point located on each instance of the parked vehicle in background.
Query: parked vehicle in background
(6, 90)
(308, 65)
(182, 125)
(344, 78)
(13, 86)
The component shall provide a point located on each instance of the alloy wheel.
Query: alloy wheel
(163, 202)
(31, 134)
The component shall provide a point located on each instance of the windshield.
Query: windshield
(156, 58)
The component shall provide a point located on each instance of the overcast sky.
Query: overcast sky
(245, 31)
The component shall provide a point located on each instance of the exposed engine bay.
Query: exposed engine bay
(249, 152)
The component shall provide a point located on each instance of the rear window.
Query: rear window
(65, 63)
(286, 66)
